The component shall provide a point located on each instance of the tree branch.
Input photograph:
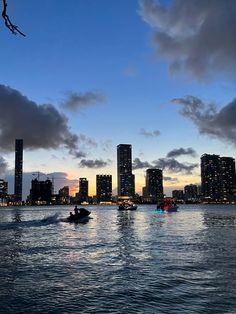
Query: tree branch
(13, 28)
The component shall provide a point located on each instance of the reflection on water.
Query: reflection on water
(119, 262)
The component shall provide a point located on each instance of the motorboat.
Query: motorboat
(127, 206)
(167, 206)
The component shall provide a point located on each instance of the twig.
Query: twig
(13, 28)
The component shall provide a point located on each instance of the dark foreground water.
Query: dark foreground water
(118, 262)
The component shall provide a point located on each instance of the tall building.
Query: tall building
(191, 193)
(104, 188)
(228, 177)
(178, 195)
(64, 195)
(125, 178)
(18, 169)
(41, 192)
(82, 196)
(218, 177)
(154, 185)
(3, 189)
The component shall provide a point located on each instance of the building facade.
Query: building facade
(218, 178)
(154, 186)
(82, 195)
(104, 188)
(125, 178)
(18, 169)
(41, 192)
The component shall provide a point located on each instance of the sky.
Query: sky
(92, 74)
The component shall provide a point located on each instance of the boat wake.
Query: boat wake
(47, 220)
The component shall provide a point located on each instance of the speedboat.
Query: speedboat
(127, 206)
(167, 206)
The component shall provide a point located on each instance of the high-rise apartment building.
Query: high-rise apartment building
(125, 178)
(191, 193)
(218, 177)
(154, 185)
(3, 189)
(41, 192)
(228, 177)
(104, 188)
(82, 195)
(18, 169)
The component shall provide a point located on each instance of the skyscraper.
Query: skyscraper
(228, 177)
(18, 169)
(104, 188)
(125, 178)
(82, 196)
(41, 192)
(154, 185)
(218, 177)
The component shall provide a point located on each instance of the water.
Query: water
(118, 262)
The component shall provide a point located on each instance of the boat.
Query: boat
(82, 215)
(167, 206)
(127, 206)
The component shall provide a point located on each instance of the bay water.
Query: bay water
(118, 261)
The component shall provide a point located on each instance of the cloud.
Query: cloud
(41, 126)
(172, 165)
(97, 163)
(148, 133)
(75, 101)
(194, 35)
(181, 151)
(169, 164)
(138, 164)
(3, 166)
(170, 179)
(219, 124)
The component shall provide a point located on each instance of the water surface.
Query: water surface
(118, 262)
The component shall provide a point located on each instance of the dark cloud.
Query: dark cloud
(170, 179)
(181, 151)
(169, 164)
(149, 133)
(75, 101)
(97, 163)
(172, 165)
(219, 124)
(138, 164)
(41, 126)
(3, 166)
(194, 35)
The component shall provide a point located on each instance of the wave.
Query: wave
(47, 220)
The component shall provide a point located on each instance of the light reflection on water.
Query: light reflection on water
(118, 262)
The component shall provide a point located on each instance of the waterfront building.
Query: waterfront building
(104, 188)
(82, 195)
(218, 178)
(228, 178)
(18, 169)
(41, 192)
(64, 195)
(154, 186)
(125, 178)
(3, 191)
(178, 195)
(191, 193)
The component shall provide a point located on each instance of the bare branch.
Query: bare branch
(13, 28)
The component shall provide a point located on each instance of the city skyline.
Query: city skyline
(223, 166)
(84, 81)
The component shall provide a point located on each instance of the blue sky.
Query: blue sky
(109, 69)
